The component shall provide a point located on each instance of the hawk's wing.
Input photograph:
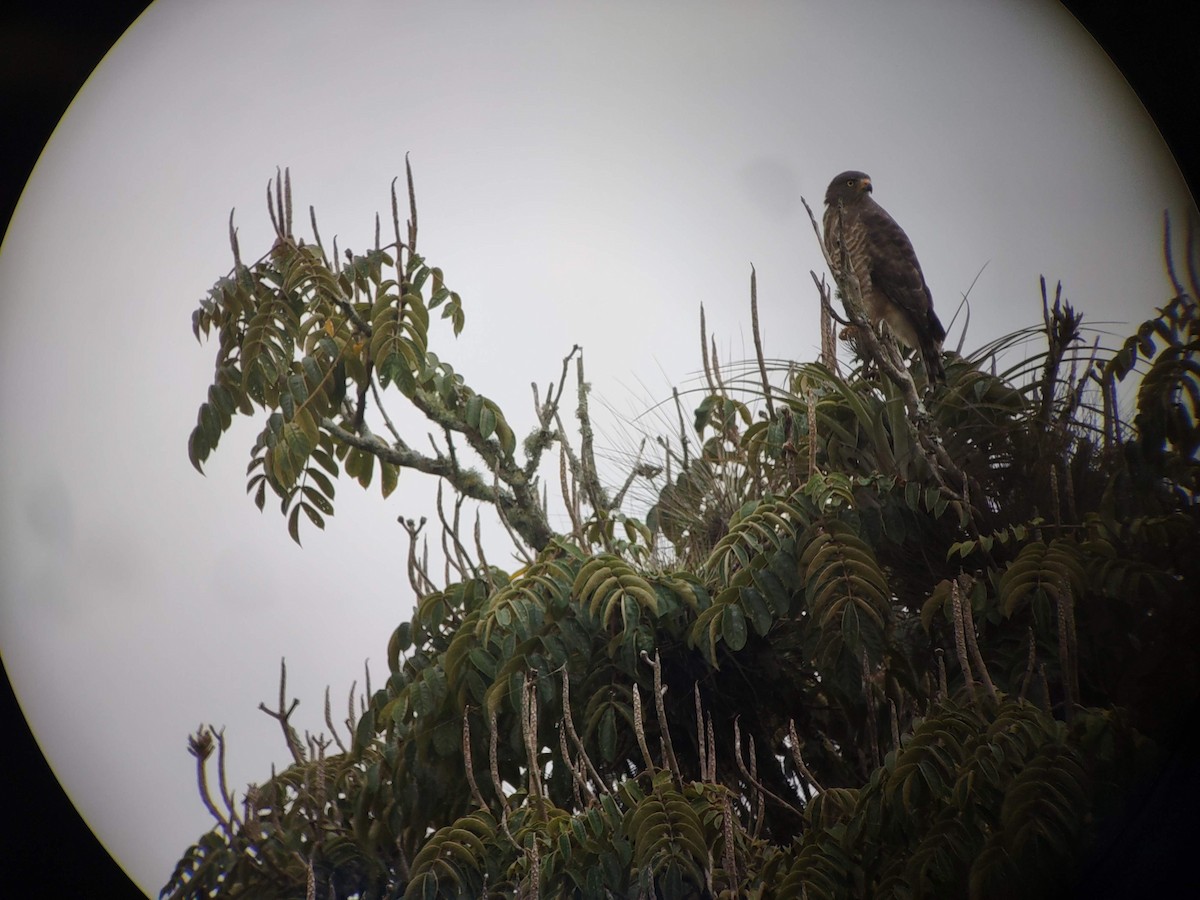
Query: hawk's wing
(896, 273)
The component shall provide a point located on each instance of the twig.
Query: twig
(329, 722)
(200, 746)
(547, 413)
(712, 388)
(483, 563)
(798, 760)
(828, 332)
(1067, 655)
(510, 527)
(683, 437)
(752, 780)
(581, 787)
(566, 482)
(497, 784)
(895, 726)
(943, 687)
(417, 576)
(969, 629)
(412, 206)
(1029, 664)
(463, 563)
(758, 347)
(387, 421)
(529, 729)
(638, 469)
(660, 710)
(872, 712)
(574, 735)
(589, 476)
(468, 762)
(960, 641)
(729, 856)
(284, 713)
(640, 731)
(520, 506)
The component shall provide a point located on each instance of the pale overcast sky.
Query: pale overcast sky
(586, 173)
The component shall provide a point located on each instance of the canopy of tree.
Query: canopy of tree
(865, 642)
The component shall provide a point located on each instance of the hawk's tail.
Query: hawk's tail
(931, 349)
(931, 354)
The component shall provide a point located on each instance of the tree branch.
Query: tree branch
(519, 505)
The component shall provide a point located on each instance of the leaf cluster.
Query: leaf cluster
(885, 651)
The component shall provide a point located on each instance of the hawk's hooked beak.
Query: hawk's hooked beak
(866, 185)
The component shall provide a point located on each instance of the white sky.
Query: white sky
(586, 173)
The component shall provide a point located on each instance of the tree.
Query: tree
(869, 641)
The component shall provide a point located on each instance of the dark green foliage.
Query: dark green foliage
(851, 666)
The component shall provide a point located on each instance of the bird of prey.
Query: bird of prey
(881, 258)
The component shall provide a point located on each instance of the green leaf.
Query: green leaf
(487, 421)
(472, 412)
(313, 496)
(199, 448)
(607, 733)
(389, 477)
(733, 627)
(294, 524)
(756, 608)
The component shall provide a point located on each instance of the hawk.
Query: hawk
(882, 259)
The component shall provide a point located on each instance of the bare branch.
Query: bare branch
(329, 722)
(483, 563)
(387, 421)
(412, 207)
(200, 746)
(580, 785)
(520, 506)
(509, 527)
(683, 436)
(589, 475)
(943, 687)
(1030, 662)
(752, 780)
(574, 735)
(497, 784)
(660, 710)
(758, 347)
(639, 730)
(798, 759)
(960, 641)
(566, 480)
(529, 729)
(546, 413)
(828, 332)
(969, 628)
(895, 726)
(637, 470)
(418, 577)
(284, 713)
(1068, 658)
(872, 711)
(468, 762)
(462, 560)
(712, 387)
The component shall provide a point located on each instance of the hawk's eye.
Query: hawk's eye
(850, 183)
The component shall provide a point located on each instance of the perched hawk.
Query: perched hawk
(882, 259)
